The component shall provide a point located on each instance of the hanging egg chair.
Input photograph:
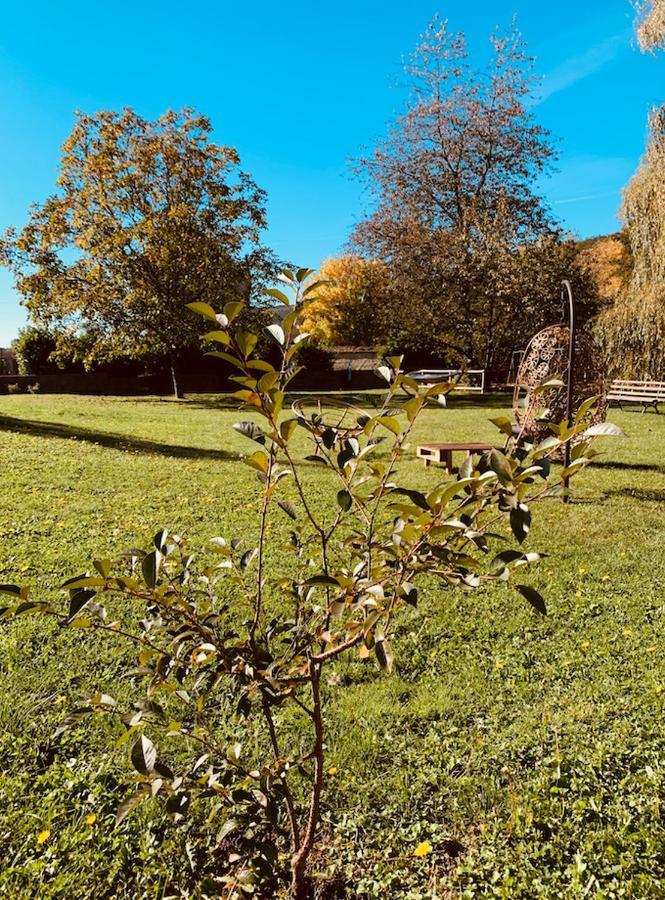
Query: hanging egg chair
(546, 359)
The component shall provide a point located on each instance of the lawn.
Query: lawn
(527, 751)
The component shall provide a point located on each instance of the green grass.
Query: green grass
(535, 745)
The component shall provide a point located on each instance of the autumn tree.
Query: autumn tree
(633, 329)
(349, 300)
(147, 216)
(651, 24)
(456, 211)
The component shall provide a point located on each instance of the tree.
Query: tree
(349, 299)
(235, 655)
(632, 330)
(34, 348)
(651, 24)
(147, 217)
(456, 211)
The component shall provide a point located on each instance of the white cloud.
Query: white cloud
(580, 66)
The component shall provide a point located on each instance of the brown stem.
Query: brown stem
(300, 858)
(288, 797)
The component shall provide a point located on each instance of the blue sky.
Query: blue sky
(299, 88)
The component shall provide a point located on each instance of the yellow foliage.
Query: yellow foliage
(342, 311)
(608, 261)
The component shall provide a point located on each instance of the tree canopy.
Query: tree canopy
(474, 256)
(633, 329)
(147, 216)
(349, 300)
(651, 25)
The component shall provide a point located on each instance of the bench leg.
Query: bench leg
(448, 461)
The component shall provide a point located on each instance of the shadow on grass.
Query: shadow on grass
(363, 399)
(634, 467)
(645, 495)
(106, 439)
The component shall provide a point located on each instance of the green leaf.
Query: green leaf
(246, 342)
(12, 590)
(520, 521)
(78, 601)
(288, 508)
(220, 337)
(233, 309)
(150, 567)
(344, 500)
(287, 428)
(500, 464)
(321, 580)
(251, 431)
(384, 655)
(225, 356)
(258, 461)
(504, 424)
(279, 295)
(144, 755)
(203, 309)
(391, 424)
(534, 598)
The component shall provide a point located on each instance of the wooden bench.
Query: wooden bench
(443, 453)
(648, 393)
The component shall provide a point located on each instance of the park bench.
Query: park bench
(648, 393)
(472, 380)
(443, 453)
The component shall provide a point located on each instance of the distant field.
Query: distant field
(528, 751)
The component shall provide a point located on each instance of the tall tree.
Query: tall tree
(651, 24)
(455, 202)
(147, 216)
(633, 329)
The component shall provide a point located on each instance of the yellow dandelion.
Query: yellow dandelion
(627, 632)
(43, 836)
(578, 593)
(90, 819)
(659, 688)
(585, 644)
(499, 665)
(423, 849)
(332, 771)
(60, 699)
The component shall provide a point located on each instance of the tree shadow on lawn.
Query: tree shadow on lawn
(642, 494)
(635, 467)
(106, 439)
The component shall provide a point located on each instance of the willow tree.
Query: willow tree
(633, 329)
(651, 26)
(146, 217)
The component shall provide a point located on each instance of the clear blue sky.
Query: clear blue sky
(300, 87)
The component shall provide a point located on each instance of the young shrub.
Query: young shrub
(231, 655)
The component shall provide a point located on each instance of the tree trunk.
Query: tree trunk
(177, 388)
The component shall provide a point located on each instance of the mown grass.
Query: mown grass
(529, 752)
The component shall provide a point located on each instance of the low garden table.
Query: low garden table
(443, 453)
